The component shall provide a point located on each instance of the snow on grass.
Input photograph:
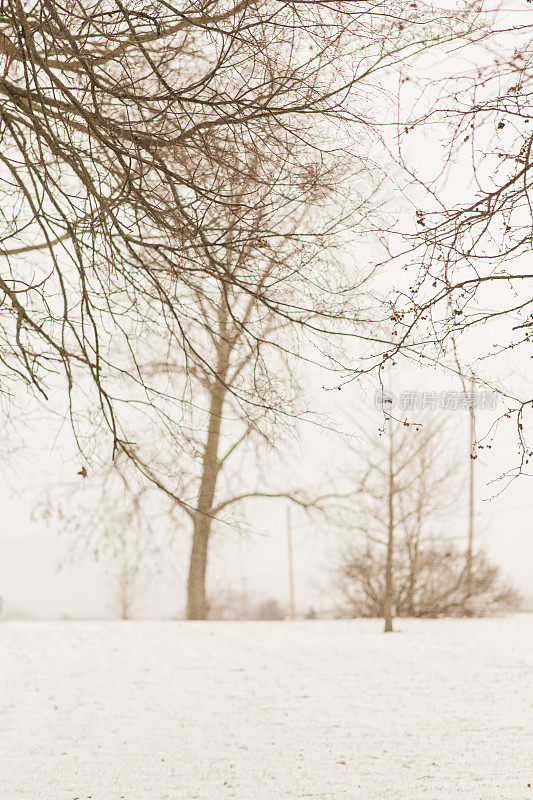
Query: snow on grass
(267, 711)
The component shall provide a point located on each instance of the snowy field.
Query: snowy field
(264, 711)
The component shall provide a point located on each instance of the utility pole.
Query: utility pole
(388, 600)
(291, 565)
(468, 609)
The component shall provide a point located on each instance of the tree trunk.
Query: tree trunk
(202, 522)
(196, 594)
(388, 601)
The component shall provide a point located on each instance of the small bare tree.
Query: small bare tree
(403, 562)
(118, 521)
(405, 480)
(432, 587)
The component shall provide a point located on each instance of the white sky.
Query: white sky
(257, 562)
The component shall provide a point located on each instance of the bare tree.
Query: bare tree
(242, 399)
(404, 482)
(404, 562)
(122, 127)
(439, 578)
(466, 239)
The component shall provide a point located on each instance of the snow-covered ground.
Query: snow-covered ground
(267, 711)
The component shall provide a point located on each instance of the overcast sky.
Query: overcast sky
(256, 562)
